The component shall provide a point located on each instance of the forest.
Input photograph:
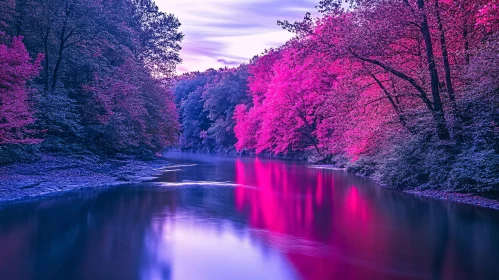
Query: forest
(86, 76)
(405, 91)
(320, 139)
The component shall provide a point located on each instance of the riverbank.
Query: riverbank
(55, 174)
(463, 198)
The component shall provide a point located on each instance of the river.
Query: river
(217, 217)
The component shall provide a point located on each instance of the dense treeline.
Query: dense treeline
(403, 90)
(206, 102)
(86, 75)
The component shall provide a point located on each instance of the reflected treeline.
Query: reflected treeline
(365, 232)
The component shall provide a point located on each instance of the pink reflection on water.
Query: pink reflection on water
(333, 230)
(356, 205)
(320, 186)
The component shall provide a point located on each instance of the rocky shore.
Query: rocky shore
(54, 174)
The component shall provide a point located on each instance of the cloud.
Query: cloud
(228, 63)
(222, 33)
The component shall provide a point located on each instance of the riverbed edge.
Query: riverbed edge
(472, 199)
(461, 198)
(24, 182)
(52, 175)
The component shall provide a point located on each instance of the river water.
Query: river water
(214, 217)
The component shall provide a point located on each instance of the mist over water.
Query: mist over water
(215, 217)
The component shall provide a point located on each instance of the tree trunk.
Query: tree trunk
(445, 56)
(400, 114)
(47, 64)
(61, 50)
(466, 44)
(438, 114)
(56, 69)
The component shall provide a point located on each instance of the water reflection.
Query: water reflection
(226, 218)
(194, 249)
(363, 232)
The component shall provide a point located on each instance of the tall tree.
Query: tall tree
(16, 113)
(159, 38)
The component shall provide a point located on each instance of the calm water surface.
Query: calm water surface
(212, 217)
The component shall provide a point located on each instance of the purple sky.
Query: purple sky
(229, 32)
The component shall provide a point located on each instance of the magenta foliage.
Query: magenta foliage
(126, 101)
(16, 114)
(355, 80)
(103, 86)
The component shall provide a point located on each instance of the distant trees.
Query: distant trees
(105, 69)
(188, 91)
(220, 97)
(207, 102)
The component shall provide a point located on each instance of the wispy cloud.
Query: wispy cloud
(222, 33)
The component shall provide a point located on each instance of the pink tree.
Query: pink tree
(358, 80)
(249, 119)
(289, 87)
(16, 68)
(293, 100)
(247, 128)
(134, 109)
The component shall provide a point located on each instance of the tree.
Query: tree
(159, 38)
(291, 102)
(80, 104)
(133, 111)
(220, 98)
(206, 104)
(16, 113)
(248, 127)
(375, 33)
(188, 91)
(487, 16)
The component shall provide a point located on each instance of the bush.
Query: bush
(469, 165)
(58, 118)
(18, 154)
(364, 166)
(422, 163)
(475, 171)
